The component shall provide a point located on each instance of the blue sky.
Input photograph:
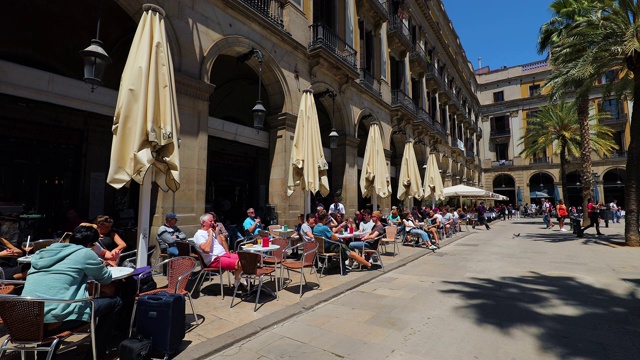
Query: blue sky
(502, 32)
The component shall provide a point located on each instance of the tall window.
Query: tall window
(498, 96)
(611, 106)
(502, 152)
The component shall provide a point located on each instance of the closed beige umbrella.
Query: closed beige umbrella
(432, 179)
(375, 174)
(409, 183)
(146, 126)
(308, 165)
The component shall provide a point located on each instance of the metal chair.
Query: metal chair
(322, 254)
(208, 271)
(390, 238)
(251, 270)
(373, 249)
(309, 252)
(23, 318)
(128, 259)
(41, 244)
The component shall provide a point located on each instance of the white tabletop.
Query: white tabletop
(286, 233)
(271, 247)
(118, 273)
(356, 234)
(25, 259)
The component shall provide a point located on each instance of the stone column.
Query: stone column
(345, 160)
(281, 138)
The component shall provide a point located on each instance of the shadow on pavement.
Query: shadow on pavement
(573, 319)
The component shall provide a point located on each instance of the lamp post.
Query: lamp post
(258, 112)
(95, 59)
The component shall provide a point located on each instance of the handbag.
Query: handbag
(135, 348)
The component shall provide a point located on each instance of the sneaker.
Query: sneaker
(563, 229)
(432, 247)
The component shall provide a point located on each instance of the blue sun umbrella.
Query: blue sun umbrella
(519, 196)
(596, 193)
(556, 194)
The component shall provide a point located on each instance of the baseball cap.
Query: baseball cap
(171, 216)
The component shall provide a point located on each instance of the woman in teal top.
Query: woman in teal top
(394, 218)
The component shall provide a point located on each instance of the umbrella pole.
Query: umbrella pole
(374, 201)
(143, 218)
(307, 202)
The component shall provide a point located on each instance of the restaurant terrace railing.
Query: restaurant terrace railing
(323, 36)
(272, 10)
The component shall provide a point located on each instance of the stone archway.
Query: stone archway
(613, 184)
(505, 184)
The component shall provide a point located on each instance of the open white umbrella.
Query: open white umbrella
(432, 180)
(375, 174)
(146, 126)
(409, 183)
(308, 165)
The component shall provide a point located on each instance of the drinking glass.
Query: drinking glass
(259, 241)
(27, 248)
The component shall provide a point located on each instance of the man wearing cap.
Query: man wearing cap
(169, 233)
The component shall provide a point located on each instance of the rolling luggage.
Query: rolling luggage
(160, 317)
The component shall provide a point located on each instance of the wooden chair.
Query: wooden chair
(23, 319)
(323, 255)
(309, 249)
(178, 274)
(251, 271)
(390, 238)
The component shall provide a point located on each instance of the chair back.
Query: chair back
(41, 244)
(249, 261)
(184, 248)
(24, 320)
(373, 244)
(320, 241)
(264, 233)
(272, 228)
(279, 253)
(310, 249)
(178, 273)
(391, 231)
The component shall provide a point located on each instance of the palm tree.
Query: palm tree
(558, 123)
(567, 13)
(612, 38)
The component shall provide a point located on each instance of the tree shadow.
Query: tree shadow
(572, 318)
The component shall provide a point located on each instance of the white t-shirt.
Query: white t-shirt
(201, 237)
(613, 206)
(336, 208)
(545, 207)
(366, 227)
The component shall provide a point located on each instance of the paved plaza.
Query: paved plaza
(491, 295)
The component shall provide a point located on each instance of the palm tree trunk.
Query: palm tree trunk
(563, 163)
(631, 233)
(585, 152)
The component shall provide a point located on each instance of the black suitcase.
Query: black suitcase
(161, 318)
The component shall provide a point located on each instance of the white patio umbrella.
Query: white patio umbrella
(146, 126)
(432, 180)
(308, 165)
(409, 183)
(375, 174)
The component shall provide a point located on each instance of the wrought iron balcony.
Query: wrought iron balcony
(322, 37)
(502, 163)
(400, 99)
(470, 154)
(399, 35)
(418, 59)
(440, 128)
(377, 9)
(500, 133)
(271, 10)
(425, 118)
(540, 160)
(434, 77)
(370, 82)
(618, 154)
(609, 119)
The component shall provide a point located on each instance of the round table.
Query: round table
(119, 272)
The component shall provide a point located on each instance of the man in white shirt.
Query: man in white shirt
(336, 207)
(366, 225)
(615, 212)
(215, 251)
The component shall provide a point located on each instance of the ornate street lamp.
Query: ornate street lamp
(259, 112)
(95, 59)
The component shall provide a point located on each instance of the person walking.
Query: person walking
(562, 214)
(592, 209)
(546, 214)
(481, 219)
(517, 212)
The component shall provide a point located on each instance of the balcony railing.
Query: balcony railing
(398, 26)
(323, 36)
(540, 160)
(609, 119)
(370, 82)
(272, 10)
(470, 154)
(425, 117)
(400, 98)
(500, 133)
(502, 163)
(439, 128)
(618, 154)
(380, 5)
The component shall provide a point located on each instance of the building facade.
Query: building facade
(510, 97)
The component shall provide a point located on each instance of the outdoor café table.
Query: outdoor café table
(285, 234)
(263, 249)
(25, 259)
(119, 272)
(349, 237)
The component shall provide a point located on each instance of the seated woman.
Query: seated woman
(109, 240)
(9, 255)
(408, 222)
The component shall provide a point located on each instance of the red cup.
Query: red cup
(350, 229)
(265, 241)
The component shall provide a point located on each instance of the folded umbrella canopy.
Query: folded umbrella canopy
(432, 180)
(409, 183)
(519, 196)
(375, 174)
(146, 126)
(308, 165)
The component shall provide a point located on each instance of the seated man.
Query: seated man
(252, 224)
(61, 271)
(409, 224)
(169, 233)
(376, 231)
(447, 220)
(332, 247)
(366, 224)
(214, 249)
(306, 230)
